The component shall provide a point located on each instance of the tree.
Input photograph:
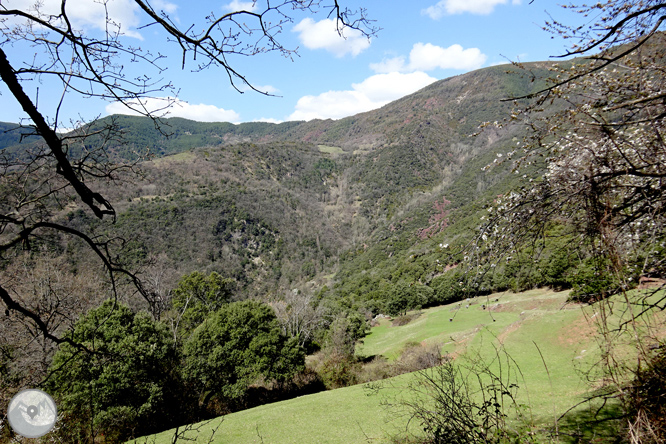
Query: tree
(46, 285)
(345, 332)
(239, 344)
(128, 385)
(44, 42)
(403, 297)
(600, 129)
(300, 316)
(196, 296)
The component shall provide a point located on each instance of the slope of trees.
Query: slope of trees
(47, 177)
(56, 174)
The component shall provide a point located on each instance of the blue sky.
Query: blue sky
(421, 41)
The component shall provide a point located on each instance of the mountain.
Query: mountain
(303, 204)
(12, 135)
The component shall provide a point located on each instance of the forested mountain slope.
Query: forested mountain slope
(277, 205)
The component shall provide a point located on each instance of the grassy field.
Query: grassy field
(528, 325)
(552, 345)
(330, 149)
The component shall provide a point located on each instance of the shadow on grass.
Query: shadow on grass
(598, 421)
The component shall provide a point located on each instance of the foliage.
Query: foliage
(448, 288)
(403, 297)
(196, 296)
(121, 381)
(55, 173)
(344, 333)
(593, 281)
(276, 211)
(605, 152)
(239, 344)
(336, 364)
(336, 370)
(353, 415)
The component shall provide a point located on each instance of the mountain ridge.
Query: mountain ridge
(389, 124)
(283, 206)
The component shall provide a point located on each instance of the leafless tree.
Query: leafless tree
(299, 315)
(598, 129)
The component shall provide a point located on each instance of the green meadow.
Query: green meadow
(330, 149)
(549, 345)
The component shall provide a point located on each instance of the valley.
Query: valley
(325, 268)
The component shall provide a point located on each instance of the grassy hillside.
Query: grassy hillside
(553, 344)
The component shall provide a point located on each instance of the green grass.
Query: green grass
(551, 343)
(330, 149)
(528, 324)
(455, 326)
(343, 416)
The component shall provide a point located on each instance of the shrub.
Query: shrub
(336, 370)
(239, 344)
(647, 401)
(127, 385)
(457, 403)
(593, 280)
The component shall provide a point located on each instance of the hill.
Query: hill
(276, 206)
(371, 214)
(551, 344)
(12, 135)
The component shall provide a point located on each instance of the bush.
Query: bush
(405, 319)
(403, 297)
(593, 281)
(344, 333)
(416, 357)
(239, 344)
(456, 403)
(448, 289)
(127, 385)
(336, 370)
(647, 401)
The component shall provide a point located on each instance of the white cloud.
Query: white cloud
(426, 57)
(237, 5)
(88, 14)
(388, 87)
(178, 108)
(449, 7)
(374, 92)
(394, 64)
(323, 35)
(163, 5)
(268, 120)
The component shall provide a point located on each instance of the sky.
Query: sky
(420, 42)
